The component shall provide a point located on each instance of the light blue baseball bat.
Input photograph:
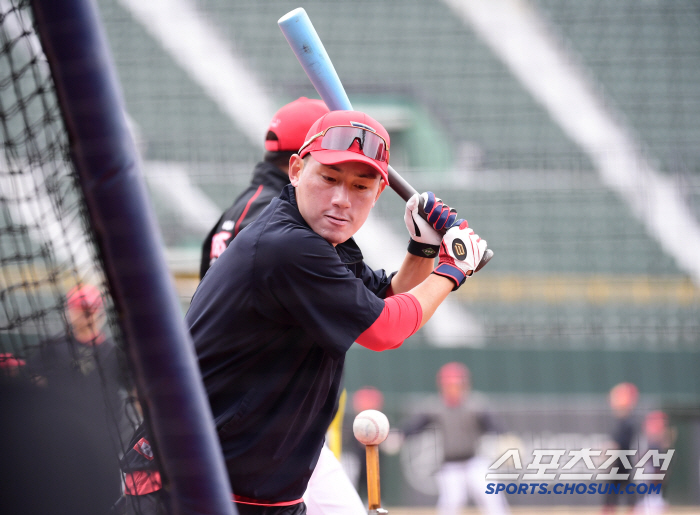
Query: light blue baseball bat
(307, 46)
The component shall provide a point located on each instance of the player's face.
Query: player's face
(335, 200)
(85, 323)
(453, 391)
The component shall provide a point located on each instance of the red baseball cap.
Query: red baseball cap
(291, 123)
(655, 424)
(354, 152)
(367, 398)
(85, 297)
(7, 360)
(453, 372)
(624, 396)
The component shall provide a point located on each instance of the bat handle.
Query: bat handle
(406, 191)
(400, 185)
(373, 489)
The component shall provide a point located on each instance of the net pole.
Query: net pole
(158, 344)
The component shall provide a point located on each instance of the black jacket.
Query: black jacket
(271, 323)
(266, 184)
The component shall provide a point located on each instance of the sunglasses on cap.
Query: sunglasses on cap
(341, 137)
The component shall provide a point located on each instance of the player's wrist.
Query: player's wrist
(451, 272)
(424, 250)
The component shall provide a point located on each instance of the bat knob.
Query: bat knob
(484, 259)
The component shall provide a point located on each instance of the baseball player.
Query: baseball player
(330, 491)
(71, 362)
(623, 399)
(461, 423)
(273, 318)
(659, 436)
(285, 135)
(82, 372)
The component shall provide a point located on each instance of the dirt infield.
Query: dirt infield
(543, 510)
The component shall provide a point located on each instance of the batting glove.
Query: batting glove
(425, 236)
(460, 253)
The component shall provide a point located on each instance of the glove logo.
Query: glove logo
(459, 250)
(428, 252)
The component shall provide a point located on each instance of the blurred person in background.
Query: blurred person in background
(61, 436)
(461, 421)
(10, 366)
(659, 436)
(285, 136)
(623, 399)
(85, 364)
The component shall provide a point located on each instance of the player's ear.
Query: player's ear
(382, 185)
(296, 165)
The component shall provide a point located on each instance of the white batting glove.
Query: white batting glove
(461, 251)
(419, 229)
(425, 238)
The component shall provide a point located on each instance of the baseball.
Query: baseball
(371, 427)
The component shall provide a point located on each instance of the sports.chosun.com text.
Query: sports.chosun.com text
(574, 488)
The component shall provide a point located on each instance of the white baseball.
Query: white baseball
(371, 427)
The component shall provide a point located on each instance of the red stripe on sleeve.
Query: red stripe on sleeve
(400, 318)
(142, 482)
(245, 211)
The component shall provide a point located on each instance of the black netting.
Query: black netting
(68, 403)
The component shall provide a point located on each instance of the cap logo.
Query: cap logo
(362, 126)
(459, 249)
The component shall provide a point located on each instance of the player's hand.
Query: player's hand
(460, 253)
(440, 215)
(425, 238)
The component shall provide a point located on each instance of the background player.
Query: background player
(273, 318)
(461, 422)
(285, 136)
(623, 399)
(71, 364)
(657, 435)
(82, 373)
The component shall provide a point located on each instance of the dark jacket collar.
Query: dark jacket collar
(267, 172)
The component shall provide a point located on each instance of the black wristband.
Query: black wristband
(424, 250)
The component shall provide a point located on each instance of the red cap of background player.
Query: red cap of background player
(354, 153)
(85, 297)
(367, 398)
(7, 360)
(624, 395)
(291, 123)
(453, 372)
